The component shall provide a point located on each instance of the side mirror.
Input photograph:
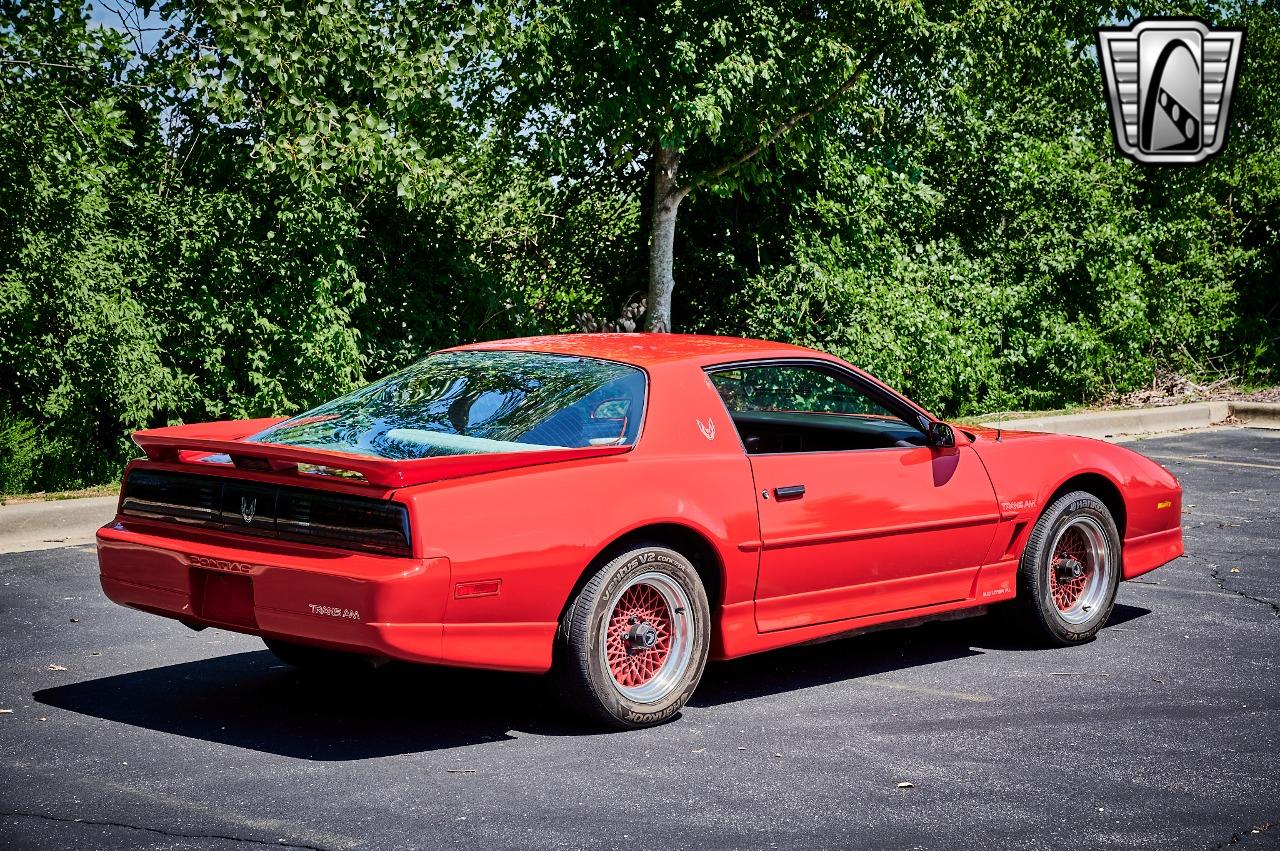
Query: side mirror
(941, 435)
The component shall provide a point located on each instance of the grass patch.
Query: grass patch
(112, 489)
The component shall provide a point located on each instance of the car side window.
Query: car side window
(804, 408)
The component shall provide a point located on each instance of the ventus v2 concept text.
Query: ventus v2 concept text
(618, 509)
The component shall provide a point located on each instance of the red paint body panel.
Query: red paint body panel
(1027, 469)
(880, 535)
(878, 530)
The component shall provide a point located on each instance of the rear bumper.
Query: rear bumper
(363, 603)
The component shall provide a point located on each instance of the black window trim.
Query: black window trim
(911, 414)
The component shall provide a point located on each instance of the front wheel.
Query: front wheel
(1070, 570)
(633, 643)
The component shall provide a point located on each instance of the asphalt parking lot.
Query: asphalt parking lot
(128, 730)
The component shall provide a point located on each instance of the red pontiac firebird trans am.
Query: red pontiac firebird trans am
(617, 509)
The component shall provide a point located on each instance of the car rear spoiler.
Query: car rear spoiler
(191, 443)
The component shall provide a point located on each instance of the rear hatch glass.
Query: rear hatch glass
(477, 402)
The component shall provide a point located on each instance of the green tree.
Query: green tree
(690, 95)
(267, 205)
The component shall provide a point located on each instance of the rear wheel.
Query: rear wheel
(633, 643)
(1070, 570)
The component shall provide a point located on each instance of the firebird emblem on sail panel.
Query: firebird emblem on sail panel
(1169, 83)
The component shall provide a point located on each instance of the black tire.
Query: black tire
(588, 683)
(310, 658)
(1077, 513)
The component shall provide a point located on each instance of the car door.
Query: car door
(858, 516)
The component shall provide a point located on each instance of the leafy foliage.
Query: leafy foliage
(1001, 255)
(261, 207)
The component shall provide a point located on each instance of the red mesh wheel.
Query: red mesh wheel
(639, 636)
(1070, 569)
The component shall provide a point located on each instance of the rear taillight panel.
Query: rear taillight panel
(265, 510)
(342, 520)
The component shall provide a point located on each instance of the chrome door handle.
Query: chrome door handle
(789, 492)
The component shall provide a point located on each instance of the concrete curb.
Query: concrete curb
(27, 526)
(1257, 414)
(1136, 421)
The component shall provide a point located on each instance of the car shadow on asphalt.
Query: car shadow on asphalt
(250, 700)
(852, 657)
(998, 633)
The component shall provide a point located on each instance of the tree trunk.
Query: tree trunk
(662, 237)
